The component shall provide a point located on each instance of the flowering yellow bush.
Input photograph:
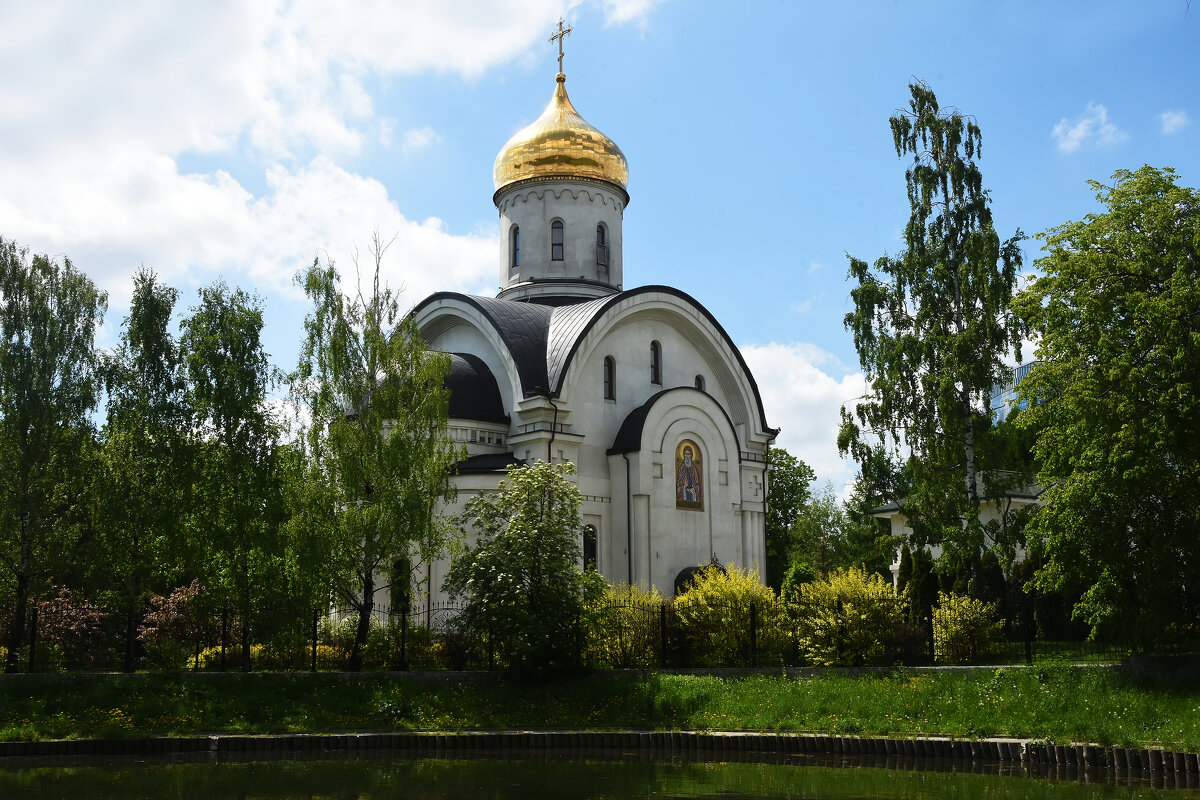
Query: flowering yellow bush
(624, 627)
(963, 628)
(715, 614)
(848, 618)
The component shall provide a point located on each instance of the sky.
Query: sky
(242, 140)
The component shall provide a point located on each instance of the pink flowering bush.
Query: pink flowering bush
(68, 630)
(176, 626)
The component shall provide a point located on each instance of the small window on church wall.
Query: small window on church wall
(610, 378)
(515, 259)
(601, 245)
(556, 240)
(700, 382)
(656, 363)
(589, 547)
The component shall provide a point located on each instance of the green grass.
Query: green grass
(1055, 703)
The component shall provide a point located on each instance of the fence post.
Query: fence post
(753, 634)
(32, 634)
(316, 621)
(662, 634)
(224, 634)
(929, 631)
(404, 638)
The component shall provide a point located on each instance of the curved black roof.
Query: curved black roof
(629, 437)
(474, 393)
(542, 340)
(486, 463)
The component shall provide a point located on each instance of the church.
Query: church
(642, 389)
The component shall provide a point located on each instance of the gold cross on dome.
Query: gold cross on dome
(562, 33)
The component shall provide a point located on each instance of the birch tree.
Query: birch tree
(379, 457)
(932, 326)
(49, 378)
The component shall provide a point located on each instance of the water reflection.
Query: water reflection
(551, 775)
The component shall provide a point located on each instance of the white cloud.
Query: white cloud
(803, 387)
(620, 11)
(93, 137)
(419, 138)
(802, 307)
(1093, 125)
(1173, 121)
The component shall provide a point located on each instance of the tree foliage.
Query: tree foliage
(229, 378)
(379, 458)
(787, 493)
(932, 327)
(49, 312)
(145, 447)
(1116, 404)
(521, 580)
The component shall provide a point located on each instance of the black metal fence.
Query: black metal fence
(621, 635)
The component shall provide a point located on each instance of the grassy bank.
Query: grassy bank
(1059, 704)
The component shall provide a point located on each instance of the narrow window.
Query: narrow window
(656, 363)
(700, 382)
(589, 547)
(515, 259)
(556, 240)
(601, 245)
(610, 378)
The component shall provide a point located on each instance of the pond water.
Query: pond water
(532, 779)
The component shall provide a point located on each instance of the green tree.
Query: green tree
(379, 456)
(49, 312)
(521, 581)
(1116, 404)
(932, 326)
(788, 480)
(144, 451)
(229, 377)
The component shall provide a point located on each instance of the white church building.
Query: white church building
(641, 388)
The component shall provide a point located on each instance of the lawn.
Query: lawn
(1055, 703)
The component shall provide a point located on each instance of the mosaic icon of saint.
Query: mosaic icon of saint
(689, 481)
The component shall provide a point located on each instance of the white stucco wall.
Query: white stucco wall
(581, 206)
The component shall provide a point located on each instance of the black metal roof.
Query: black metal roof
(542, 340)
(486, 463)
(474, 393)
(629, 437)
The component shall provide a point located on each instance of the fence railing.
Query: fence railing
(621, 635)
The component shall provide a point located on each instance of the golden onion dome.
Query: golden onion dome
(560, 144)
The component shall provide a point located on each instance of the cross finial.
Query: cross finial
(562, 33)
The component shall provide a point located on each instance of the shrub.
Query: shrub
(848, 618)
(520, 582)
(175, 627)
(68, 628)
(265, 657)
(715, 614)
(624, 627)
(963, 628)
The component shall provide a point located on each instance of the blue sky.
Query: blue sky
(242, 140)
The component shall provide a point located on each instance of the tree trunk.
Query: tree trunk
(16, 631)
(246, 665)
(364, 620)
